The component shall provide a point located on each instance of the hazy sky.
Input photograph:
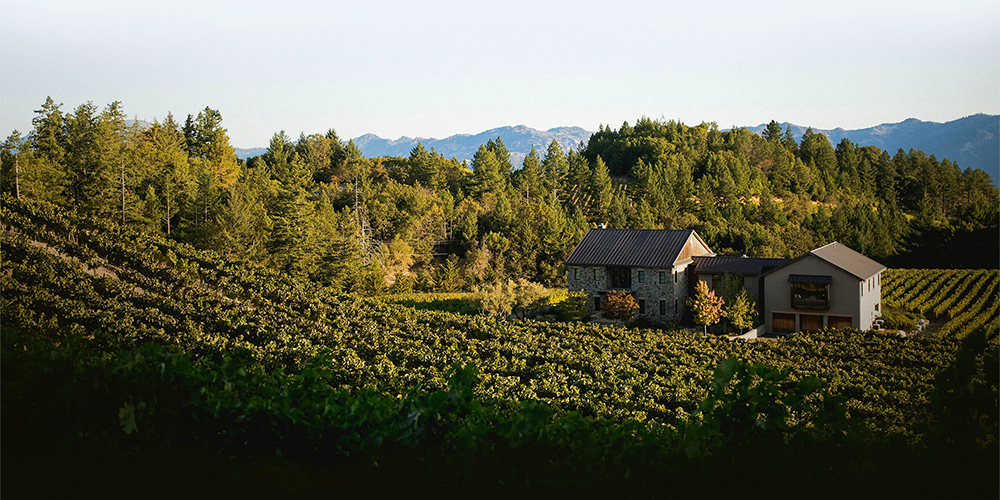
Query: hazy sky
(437, 68)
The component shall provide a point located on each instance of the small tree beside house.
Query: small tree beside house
(742, 311)
(707, 308)
(619, 305)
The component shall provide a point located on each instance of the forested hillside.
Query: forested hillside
(317, 208)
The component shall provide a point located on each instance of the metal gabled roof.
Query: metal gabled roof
(631, 247)
(736, 265)
(844, 258)
(847, 259)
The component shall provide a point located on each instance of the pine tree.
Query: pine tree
(502, 156)
(555, 167)
(486, 176)
(530, 181)
(601, 187)
(773, 132)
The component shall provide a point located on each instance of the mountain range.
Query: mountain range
(518, 140)
(972, 142)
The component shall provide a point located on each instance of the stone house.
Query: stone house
(651, 264)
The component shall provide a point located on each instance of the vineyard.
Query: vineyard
(67, 280)
(962, 299)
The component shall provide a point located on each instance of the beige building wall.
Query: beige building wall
(844, 293)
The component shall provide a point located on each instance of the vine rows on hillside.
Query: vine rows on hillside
(963, 299)
(160, 291)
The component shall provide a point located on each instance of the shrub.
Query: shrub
(619, 305)
(898, 321)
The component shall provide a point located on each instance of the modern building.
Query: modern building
(829, 287)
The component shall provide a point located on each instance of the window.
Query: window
(810, 296)
(663, 307)
(619, 277)
(663, 277)
(876, 307)
(597, 303)
(675, 277)
(642, 276)
(576, 273)
(642, 306)
(783, 323)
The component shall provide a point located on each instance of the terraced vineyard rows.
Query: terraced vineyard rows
(160, 291)
(963, 299)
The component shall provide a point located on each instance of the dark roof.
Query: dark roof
(630, 247)
(811, 279)
(845, 258)
(735, 265)
(853, 262)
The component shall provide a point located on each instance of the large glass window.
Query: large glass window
(810, 296)
(619, 277)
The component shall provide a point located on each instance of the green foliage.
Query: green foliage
(963, 299)
(897, 321)
(574, 307)
(495, 299)
(742, 311)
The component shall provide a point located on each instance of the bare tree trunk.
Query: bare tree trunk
(17, 178)
(123, 192)
(168, 212)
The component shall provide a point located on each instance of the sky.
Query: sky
(439, 68)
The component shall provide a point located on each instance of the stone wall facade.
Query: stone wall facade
(646, 287)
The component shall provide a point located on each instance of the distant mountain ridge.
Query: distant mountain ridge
(972, 142)
(518, 140)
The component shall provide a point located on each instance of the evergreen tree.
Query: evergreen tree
(502, 156)
(530, 180)
(48, 140)
(601, 188)
(486, 175)
(773, 132)
(555, 166)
